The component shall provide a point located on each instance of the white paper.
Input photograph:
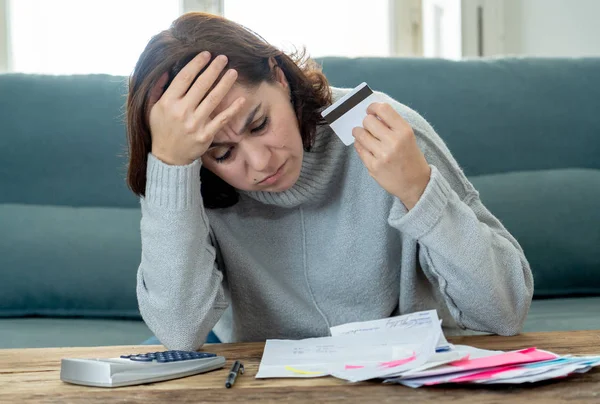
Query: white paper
(416, 353)
(316, 357)
(544, 370)
(420, 319)
(353, 354)
(401, 350)
(548, 374)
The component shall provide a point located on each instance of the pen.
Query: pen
(236, 368)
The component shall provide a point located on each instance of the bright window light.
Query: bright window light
(107, 36)
(326, 27)
(84, 36)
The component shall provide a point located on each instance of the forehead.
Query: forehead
(233, 94)
(253, 95)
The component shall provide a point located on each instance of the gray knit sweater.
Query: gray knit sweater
(335, 248)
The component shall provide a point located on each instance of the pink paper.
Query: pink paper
(508, 358)
(487, 374)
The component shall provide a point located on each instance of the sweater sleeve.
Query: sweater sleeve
(476, 264)
(179, 287)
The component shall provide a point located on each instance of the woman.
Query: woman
(259, 222)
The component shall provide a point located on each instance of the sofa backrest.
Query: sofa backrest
(496, 115)
(63, 140)
(69, 227)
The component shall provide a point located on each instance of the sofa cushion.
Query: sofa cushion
(555, 216)
(563, 314)
(67, 261)
(38, 332)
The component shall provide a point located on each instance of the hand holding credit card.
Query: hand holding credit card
(385, 142)
(349, 111)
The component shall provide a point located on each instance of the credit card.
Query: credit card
(349, 111)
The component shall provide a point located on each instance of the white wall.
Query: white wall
(552, 27)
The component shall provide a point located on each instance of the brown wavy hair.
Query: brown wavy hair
(249, 54)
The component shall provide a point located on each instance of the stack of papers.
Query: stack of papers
(410, 350)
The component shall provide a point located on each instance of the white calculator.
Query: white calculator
(128, 370)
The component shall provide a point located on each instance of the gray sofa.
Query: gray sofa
(526, 132)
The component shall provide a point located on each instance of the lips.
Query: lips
(272, 175)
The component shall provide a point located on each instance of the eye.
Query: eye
(261, 126)
(221, 158)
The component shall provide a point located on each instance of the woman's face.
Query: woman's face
(260, 149)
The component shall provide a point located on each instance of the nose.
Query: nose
(258, 155)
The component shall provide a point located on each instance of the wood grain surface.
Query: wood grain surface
(33, 375)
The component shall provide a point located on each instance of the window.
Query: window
(107, 36)
(83, 36)
(327, 28)
(442, 28)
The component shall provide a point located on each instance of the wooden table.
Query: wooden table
(33, 375)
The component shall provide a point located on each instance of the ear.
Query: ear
(279, 74)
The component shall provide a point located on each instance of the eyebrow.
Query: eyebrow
(249, 120)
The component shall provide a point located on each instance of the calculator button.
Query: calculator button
(168, 356)
(139, 358)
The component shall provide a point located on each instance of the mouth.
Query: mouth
(273, 178)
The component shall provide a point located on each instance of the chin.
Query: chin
(283, 188)
(280, 187)
(286, 184)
